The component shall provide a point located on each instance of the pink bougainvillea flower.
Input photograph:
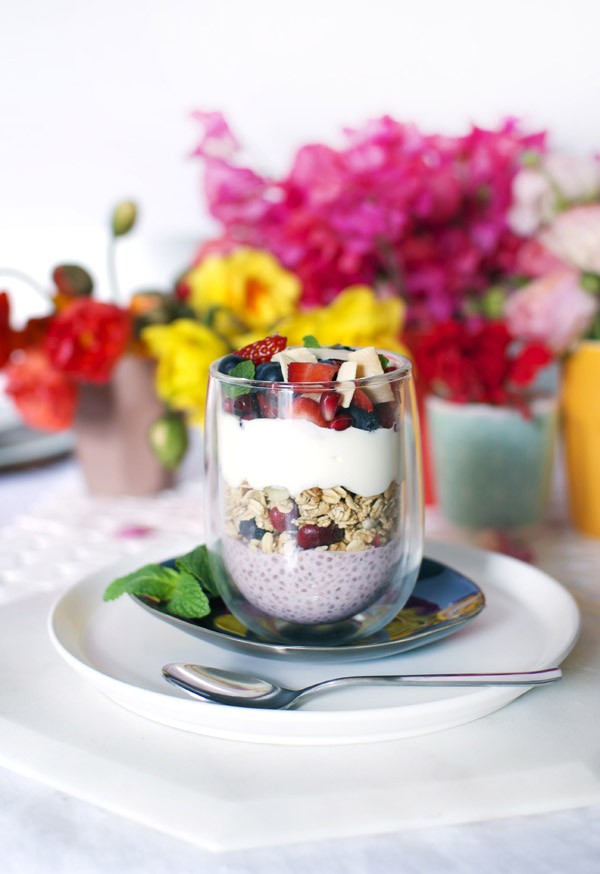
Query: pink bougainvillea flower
(44, 396)
(87, 338)
(423, 215)
(574, 237)
(553, 309)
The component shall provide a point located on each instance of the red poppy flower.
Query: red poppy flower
(86, 340)
(44, 396)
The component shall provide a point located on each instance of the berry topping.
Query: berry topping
(245, 407)
(311, 536)
(362, 400)
(329, 403)
(250, 530)
(269, 371)
(268, 403)
(229, 362)
(307, 408)
(341, 422)
(362, 419)
(385, 414)
(263, 350)
(283, 521)
(303, 371)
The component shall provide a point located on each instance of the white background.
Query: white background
(95, 97)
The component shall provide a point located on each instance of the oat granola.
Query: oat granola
(273, 521)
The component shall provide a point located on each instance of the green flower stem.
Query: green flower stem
(25, 277)
(112, 269)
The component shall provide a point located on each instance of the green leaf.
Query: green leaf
(196, 563)
(188, 599)
(152, 580)
(311, 342)
(242, 370)
(385, 362)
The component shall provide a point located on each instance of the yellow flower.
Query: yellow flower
(249, 282)
(184, 350)
(356, 317)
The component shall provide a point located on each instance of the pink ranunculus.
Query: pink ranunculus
(574, 237)
(553, 309)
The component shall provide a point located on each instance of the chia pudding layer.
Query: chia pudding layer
(318, 556)
(310, 586)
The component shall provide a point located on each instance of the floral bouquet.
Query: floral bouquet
(48, 363)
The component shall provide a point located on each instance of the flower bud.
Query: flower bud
(168, 439)
(124, 217)
(71, 280)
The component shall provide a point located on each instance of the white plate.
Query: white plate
(21, 446)
(530, 622)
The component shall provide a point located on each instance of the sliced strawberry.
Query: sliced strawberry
(329, 403)
(306, 371)
(307, 408)
(341, 422)
(263, 350)
(362, 400)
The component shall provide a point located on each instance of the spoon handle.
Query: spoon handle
(517, 678)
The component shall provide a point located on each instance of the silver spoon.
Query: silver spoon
(230, 687)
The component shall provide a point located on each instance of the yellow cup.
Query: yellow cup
(581, 433)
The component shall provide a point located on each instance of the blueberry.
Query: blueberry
(250, 530)
(362, 419)
(269, 371)
(227, 364)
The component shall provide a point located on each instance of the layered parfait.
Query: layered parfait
(311, 467)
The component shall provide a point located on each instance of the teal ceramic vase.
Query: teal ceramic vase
(493, 465)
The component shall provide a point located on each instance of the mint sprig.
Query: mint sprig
(311, 342)
(242, 370)
(385, 362)
(183, 590)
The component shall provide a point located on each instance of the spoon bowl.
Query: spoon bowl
(230, 687)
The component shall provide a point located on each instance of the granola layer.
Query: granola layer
(274, 521)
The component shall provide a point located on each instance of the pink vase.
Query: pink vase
(111, 432)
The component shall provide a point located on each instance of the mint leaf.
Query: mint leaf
(311, 342)
(385, 362)
(196, 564)
(243, 370)
(152, 580)
(188, 599)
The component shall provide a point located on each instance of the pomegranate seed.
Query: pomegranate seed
(283, 521)
(329, 403)
(341, 422)
(244, 407)
(311, 536)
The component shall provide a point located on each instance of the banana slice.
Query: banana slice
(368, 364)
(346, 389)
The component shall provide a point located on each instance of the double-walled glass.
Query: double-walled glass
(314, 523)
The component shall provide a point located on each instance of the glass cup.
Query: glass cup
(314, 509)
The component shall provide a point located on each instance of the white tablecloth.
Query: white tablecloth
(42, 830)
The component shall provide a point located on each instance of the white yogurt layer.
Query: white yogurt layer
(297, 455)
